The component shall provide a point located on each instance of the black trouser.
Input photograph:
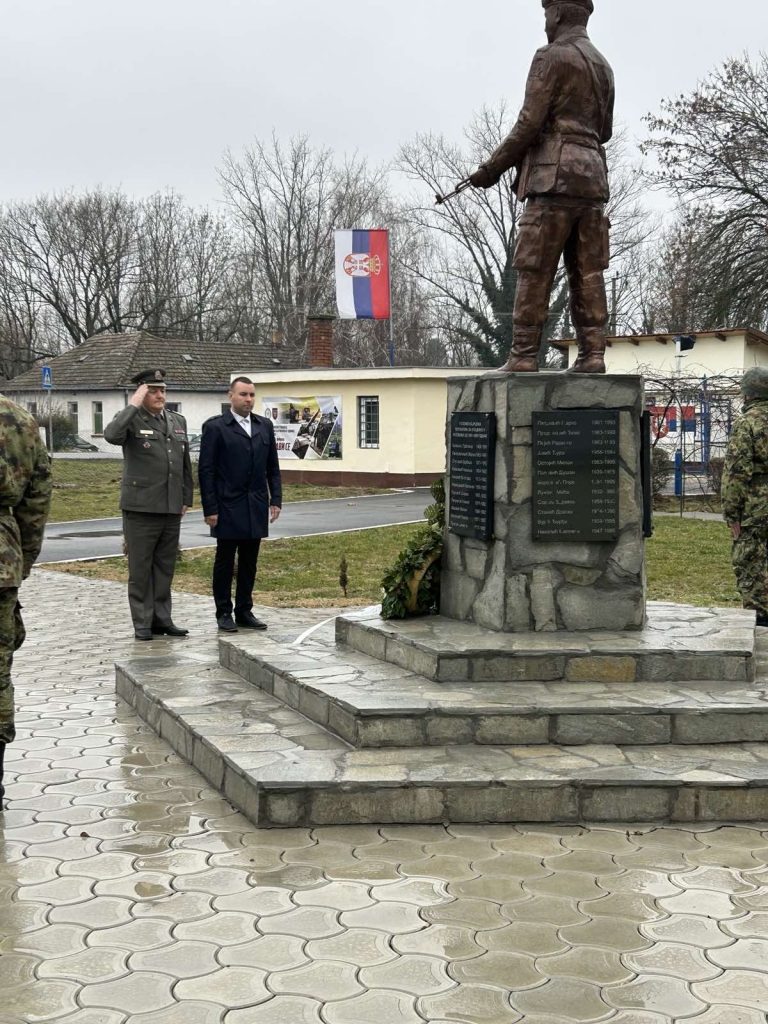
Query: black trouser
(247, 552)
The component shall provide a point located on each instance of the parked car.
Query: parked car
(194, 445)
(75, 443)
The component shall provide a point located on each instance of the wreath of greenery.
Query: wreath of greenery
(412, 585)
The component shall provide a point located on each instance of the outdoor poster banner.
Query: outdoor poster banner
(306, 428)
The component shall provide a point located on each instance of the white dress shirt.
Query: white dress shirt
(245, 422)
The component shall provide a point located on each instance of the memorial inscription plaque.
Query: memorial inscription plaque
(576, 475)
(472, 459)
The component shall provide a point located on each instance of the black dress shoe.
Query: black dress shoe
(143, 634)
(161, 629)
(762, 620)
(249, 621)
(227, 624)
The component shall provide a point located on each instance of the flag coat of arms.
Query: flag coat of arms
(362, 274)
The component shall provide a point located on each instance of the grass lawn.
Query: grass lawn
(296, 572)
(90, 489)
(693, 503)
(688, 562)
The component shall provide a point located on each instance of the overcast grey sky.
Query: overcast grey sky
(147, 94)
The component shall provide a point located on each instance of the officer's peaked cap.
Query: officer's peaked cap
(588, 6)
(754, 383)
(156, 377)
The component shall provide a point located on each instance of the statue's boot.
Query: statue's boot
(591, 357)
(2, 791)
(524, 357)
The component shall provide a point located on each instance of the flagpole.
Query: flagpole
(391, 318)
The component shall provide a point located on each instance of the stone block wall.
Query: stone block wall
(513, 583)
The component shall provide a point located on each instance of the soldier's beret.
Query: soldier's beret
(754, 383)
(588, 6)
(156, 377)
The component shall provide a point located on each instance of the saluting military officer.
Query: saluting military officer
(156, 493)
(556, 146)
(745, 493)
(25, 498)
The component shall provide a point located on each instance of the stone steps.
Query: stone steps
(371, 703)
(679, 643)
(282, 770)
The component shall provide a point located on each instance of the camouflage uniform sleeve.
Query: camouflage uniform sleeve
(539, 93)
(32, 511)
(737, 471)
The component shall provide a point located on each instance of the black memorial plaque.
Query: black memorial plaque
(472, 459)
(576, 475)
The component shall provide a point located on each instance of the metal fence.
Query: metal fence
(691, 420)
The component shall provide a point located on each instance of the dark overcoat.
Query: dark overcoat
(239, 476)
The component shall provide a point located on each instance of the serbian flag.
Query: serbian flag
(362, 274)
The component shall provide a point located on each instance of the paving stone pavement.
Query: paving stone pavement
(131, 893)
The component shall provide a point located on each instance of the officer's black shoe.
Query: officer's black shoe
(762, 620)
(249, 621)
(143, 634)
(168, 629)
(227, 624)
(2, 788)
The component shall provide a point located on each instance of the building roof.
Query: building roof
(107, 362)
(753, 337)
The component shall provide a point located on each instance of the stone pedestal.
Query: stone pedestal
(515, 584)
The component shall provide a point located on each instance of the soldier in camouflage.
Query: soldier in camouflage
(745, 494)
(25, 497)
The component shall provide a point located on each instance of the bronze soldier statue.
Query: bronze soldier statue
(557, 149)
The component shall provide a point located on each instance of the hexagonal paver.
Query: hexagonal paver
(87, 966)
(326, 981)
(513, 971)
(179, 960)
(473, 1004)
(669, 997)
(362, 947)
(736, 988)
(268, 953)
(137, 993)
(181, 1013)
(279, 1010)
(417, 975)
(230, 987)
(378, 1007)
(581, 998)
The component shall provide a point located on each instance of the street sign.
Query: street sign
(47, 377)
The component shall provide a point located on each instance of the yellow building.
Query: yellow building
(715, 354)
(380, 426)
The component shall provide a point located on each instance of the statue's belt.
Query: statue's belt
(572, 138)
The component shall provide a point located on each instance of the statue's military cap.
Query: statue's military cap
(754, 383)
(588, 6)
(156, 377)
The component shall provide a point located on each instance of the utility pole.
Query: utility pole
(614, 303)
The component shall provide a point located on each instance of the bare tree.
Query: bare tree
(286, 201)
(74, 254)
(712, 153)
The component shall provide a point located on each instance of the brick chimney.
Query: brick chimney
(320, 339)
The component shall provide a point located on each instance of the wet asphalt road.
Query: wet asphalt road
(98, 538)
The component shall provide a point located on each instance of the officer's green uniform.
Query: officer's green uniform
(745, 493)
(25, 498)
(157, 483)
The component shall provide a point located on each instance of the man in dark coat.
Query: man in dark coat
(556, 147)
(241, 495)
(156, 493)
